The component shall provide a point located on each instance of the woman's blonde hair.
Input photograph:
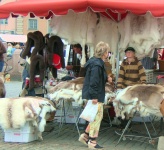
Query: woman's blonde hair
(100, 49)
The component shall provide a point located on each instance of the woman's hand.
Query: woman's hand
(94, 101)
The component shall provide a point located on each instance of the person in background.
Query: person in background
(94, 89)
(131, 73)
(2, 51)
(75, 68)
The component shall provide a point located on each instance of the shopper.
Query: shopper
(75, 68)
(94, 89)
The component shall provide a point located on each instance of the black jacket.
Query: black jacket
(95, 79)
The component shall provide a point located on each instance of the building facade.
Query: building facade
(23, 25)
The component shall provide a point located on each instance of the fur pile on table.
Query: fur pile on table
(141, 98)
(72, 90)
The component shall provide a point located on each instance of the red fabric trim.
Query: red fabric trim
(113, 7)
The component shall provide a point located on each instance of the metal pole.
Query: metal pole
(117, 58)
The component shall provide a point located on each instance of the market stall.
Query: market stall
(119, 23)
(123, 23)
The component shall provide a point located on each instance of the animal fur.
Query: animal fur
(2, 86)
(35, 39)
(37, 67)
(15, 112)
(145, 99)
(75, 84)
(54, 46)
(72, 90)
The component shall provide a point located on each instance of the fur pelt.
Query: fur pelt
(37, 64)
(75, 84)
(145, 99)
(15, 112)
(37, 67)
(2, 88)
(35, 39)
(54, 46)
(72, 89)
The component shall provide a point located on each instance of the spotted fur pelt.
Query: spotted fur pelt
(145, 99)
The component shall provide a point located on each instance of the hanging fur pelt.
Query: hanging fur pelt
(37, 67)
(36, 40)
(34, 50)
(2, 89)
(54, 46)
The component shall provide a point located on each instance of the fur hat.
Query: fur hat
(130, 49)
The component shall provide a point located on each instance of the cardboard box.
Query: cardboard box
(24, 134)
(70, 116)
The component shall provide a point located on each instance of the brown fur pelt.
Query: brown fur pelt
(37, 64)
(37, 67)
(35, 39)
(75, 84)
(2, 88)
(54, 46)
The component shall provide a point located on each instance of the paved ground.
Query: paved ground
(67, 139)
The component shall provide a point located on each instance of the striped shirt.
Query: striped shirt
(131, 74)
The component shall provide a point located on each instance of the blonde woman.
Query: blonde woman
(94, 89)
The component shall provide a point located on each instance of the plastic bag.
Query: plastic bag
(90, 111)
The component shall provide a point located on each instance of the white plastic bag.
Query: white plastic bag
(90, 111)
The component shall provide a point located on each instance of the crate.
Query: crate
(149, 76)
(23, 135)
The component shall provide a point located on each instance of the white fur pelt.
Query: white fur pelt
(107, 31)
(125, 30)
(15, 112)
(144, 99)
(63, 25)
(75, 26)
(139, 32)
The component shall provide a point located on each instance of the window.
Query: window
(33, 24)
(3, 21)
